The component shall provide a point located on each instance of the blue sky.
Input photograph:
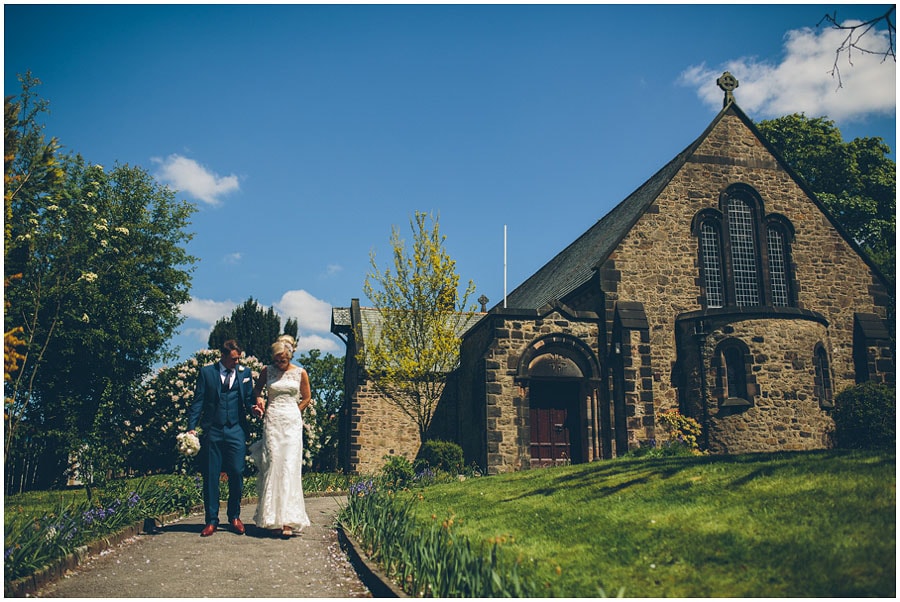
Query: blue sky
(303, 133)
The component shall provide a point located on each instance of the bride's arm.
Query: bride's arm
(305, 393)
(260, 406)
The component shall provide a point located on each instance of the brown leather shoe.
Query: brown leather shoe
(237, 526)
(208, 530)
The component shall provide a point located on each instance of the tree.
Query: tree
(326, 380)
(292, 327)
(856, 181)
(104, 271)
(254, 328)
(31, 174)
(422, 316)
(856, 32)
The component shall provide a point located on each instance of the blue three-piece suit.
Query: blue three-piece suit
(220, 410)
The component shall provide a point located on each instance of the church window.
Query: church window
(777, 267)
(743, 252)
(732, 374)
(824, 390)
(744, 255)
(712, 265)
(735, 380)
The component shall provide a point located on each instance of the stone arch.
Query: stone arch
(558, 376)
(560, 356)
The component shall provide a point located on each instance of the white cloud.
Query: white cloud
(311, 314)
(324, 344)
(802, 82)
(188, 176)
(333, 269)
(313, 320)
(200, 335)
(207, 310)
(232, 258)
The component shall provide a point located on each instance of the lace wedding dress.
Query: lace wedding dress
(279, 455)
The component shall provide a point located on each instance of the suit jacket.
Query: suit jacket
(204, 409)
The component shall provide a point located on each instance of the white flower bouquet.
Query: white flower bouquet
(187, 444)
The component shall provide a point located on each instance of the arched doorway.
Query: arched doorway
(558, 374)
(555, 423)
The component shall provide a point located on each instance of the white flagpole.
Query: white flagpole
(504, 266)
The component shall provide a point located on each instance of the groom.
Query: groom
(221, 401)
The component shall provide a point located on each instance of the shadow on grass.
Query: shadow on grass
(606, 478)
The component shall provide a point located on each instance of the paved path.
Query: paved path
(178, 563)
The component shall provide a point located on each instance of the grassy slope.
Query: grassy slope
(805, 524)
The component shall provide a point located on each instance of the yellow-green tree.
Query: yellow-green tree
(416, 345)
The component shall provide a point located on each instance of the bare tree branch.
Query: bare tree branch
(855, 34)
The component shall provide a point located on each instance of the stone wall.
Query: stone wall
(786, 413)
(379, 428)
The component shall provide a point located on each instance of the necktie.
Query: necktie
(226, 384)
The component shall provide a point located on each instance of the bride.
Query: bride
(279, 454)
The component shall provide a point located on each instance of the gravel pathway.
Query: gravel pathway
(177, 563)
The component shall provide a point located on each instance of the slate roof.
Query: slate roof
(574, 266)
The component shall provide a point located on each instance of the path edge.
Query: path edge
(379, 584)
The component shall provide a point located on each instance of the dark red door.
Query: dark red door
(554, 423)
(550, 445)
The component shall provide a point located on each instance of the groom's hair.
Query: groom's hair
(229, 346)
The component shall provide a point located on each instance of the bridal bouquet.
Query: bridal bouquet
(187, 444)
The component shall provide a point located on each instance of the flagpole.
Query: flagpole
(504, 266)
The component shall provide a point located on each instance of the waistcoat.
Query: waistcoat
(229, 406)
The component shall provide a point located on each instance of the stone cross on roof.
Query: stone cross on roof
(728, 83)
(484, 301)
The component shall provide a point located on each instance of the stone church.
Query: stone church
(721, 288)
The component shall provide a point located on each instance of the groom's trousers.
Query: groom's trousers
(225, 448)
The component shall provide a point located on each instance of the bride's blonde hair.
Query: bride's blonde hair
(284, 344)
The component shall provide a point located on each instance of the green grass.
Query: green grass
(774, 525)
(37, 502)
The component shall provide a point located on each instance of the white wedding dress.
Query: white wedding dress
(279, 455)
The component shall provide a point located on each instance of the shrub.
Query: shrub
(681, 429)
(397, 471)
(441, 455)
(864, 417)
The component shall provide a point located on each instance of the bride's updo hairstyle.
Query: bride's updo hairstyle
(284, 344)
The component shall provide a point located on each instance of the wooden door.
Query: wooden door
(550, 443)
(554, 423)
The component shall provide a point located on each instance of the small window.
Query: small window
(712, 265)
(735, 378)
(732, 374)
(777, 267)
(823, 378)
